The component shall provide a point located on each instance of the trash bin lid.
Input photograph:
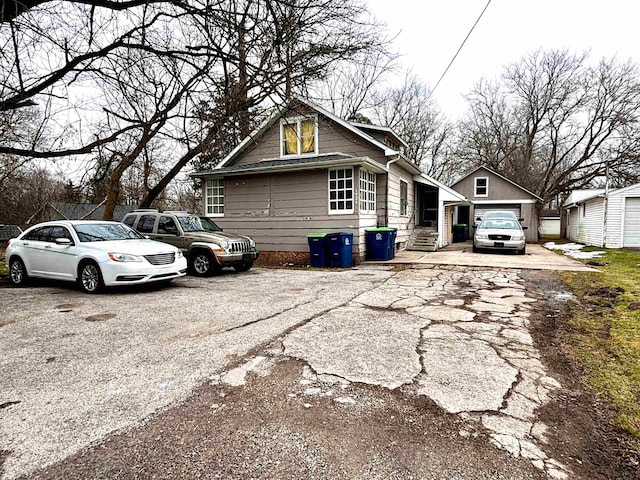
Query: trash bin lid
(460, 225)
(316, 235)
(380, 229)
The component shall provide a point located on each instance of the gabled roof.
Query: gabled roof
(281, 112)
(497, 175)
(449, 192)
(579, 196)
(380, 128)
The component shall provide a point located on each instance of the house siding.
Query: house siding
(279, 210)
(405, 224)
(573, 224)
(332, 138)
(499, 189)
(588, 229)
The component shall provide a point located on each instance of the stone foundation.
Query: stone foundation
(278, 259)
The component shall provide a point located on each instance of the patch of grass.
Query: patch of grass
(4, 269)
(604, 334)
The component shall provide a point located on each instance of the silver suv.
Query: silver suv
(207, 248)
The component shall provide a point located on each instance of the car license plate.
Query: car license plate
(498, 244)
(247, 257)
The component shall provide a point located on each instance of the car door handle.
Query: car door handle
(48, 247)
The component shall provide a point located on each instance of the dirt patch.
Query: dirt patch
(273, 428)
(582, 434)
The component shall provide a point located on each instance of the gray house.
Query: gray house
(306, 170)
(488, 190)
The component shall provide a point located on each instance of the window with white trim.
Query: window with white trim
(481, 188)
(404, 197)
(214, 197)
(367, 191)
(298, 136)
(341, 190)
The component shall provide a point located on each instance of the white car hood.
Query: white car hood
(134, 247)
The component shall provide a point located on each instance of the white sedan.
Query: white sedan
(92, 253)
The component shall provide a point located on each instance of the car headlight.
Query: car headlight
(482, 236)
(517, 237)
(224, 243)
(124, 257)
(179, 254)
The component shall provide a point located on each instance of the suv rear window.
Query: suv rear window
(145, 224)
(128, 220)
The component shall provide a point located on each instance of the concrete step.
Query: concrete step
(423, 248)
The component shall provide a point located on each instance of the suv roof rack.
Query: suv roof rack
(175, 211)
(145, 210)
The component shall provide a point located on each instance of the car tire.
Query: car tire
(17, 273)
(523, 251)
(475, 249)
(90, 278)
(243, 267)
(203, 264)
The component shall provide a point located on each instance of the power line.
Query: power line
(459, 48)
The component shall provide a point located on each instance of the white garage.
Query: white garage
(600, 218)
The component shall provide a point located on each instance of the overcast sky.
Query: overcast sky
(430, 32)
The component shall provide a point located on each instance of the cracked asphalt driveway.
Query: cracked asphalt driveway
(426, 372)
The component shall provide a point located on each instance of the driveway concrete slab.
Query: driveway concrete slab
(537, 258)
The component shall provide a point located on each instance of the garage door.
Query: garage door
(631, 236)
(481, 209)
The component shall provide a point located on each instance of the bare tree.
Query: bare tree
(119, 75)
(554, 122)
(411, 112)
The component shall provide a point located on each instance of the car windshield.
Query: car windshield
(500, 215)
(198, 224)
(102, 232)
(497, 223)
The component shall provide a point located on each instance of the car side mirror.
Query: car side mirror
(525, 228)
(478, 219)
(521, 219)
(474, 226)
(63, 241)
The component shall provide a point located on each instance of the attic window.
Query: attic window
(481, 187)
(298, 136)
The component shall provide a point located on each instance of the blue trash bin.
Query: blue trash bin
(318, 249)
(379, 243)
(340, 249)
(394, 234)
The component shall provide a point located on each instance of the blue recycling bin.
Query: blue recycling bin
(317, 249)
(380, 243)
(394, 235)
(340, 249)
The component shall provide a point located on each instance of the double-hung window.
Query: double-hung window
(214, 197)
(404, 197)
(481, 187)
(367, 192)
(299, 136)
(341, 190)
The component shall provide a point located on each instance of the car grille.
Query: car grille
(161, 258)
(240, 247)
(499, 237)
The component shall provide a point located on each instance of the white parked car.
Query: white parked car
(500, 234)
(92, 253)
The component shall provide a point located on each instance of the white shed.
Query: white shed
(600, 218)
